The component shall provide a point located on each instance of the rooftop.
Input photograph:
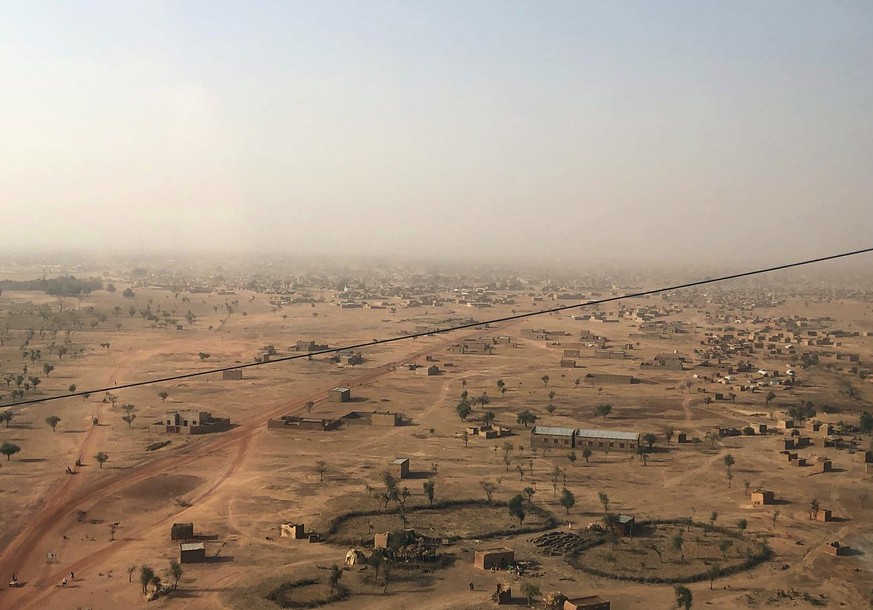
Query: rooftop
(553, 430)
(608, 434)
(193, 546)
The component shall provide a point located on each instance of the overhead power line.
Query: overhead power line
(519, 316)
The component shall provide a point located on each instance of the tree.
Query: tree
(572, 457)
(742, 524)
(500, 384)
(6, 416)
(429, 490)
(72, 388)
(683, 597)
(866, 422)
(309, 404)
(530, 590)
(568, 500)
(724, 545)
(586, 453)
(516, 508)
(146, 574)
(677, 542)
(163, 396)
(712, 517)
(488, 417)
(336, 575)
(47, 369)
(551, 394)
(669, 434)
(712, 573)
(814, 507)
(769, 397)
(101, 458)
(203, 356)
(551, 409)
(529, 492)
(489, 488)
(53, 421)
(508, 448)
(9, 449)
(175, 572)
(320, 468)
(604, 500)
(545, 380)
(526, 418)
(650, 439)
(463, 410)
(130, 571)
(602, 410)
(128, 419)
(729, 462)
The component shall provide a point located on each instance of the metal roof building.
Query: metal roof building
(608, 434)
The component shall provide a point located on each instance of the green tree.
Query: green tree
(712, 517)
(712, 573)
(604, 500)
(9, 449)
(545, 380)
(586, 453)
(677, 543)
(530, 590)
(175, 572)
(669, 434)
(650, 439)
(568, 500)
(203, 356)
(6, 416)
(163, 396)
(128, 419)
(770, 397)
(866, 422)
(602, 410)
(516, 508)
(501, 384)
(527, 418)
(463, 410)
(53, 421)
(146, 574)
(101, 458)
(47, 369)
(488, 417)
(729, 462)
(724, 545)
(742, 524)
(683, 597)
(551, 409)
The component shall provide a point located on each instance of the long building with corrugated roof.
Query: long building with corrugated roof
(551, 437)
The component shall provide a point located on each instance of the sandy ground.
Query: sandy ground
(238, 486)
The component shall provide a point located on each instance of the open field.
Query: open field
(238, 486)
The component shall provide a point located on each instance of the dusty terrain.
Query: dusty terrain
(238, 486)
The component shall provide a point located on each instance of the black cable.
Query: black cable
(437, 331)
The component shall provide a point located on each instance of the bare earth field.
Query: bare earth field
(238, 486)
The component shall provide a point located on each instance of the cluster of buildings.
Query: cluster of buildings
(552, 437)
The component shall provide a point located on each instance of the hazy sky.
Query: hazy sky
(573, 129)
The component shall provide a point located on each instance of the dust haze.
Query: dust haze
(485, 132)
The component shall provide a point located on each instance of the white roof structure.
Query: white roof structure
(613, 435)
(193, 546)
(553, 431)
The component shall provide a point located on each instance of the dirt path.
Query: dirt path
(23, 555)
